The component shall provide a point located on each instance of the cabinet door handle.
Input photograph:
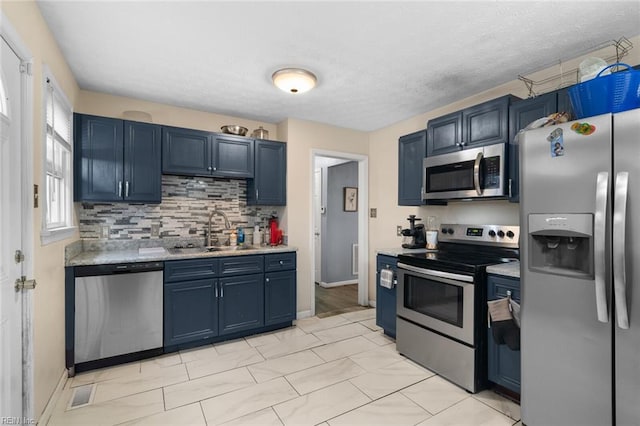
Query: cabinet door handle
(209, 168)
(267, 280)
(215, 168)
(216, 287)
(281, 262)
(120, 189)
(126, 189)
(510, 193)
(221, 291)
(257, 194)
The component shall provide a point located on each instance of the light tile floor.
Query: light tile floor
(339, 370)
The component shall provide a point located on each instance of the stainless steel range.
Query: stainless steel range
(441, 301)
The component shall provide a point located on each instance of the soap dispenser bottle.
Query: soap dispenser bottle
(240, 236)
(233, 239)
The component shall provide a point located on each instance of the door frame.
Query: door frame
(10, 35)
(363, 224)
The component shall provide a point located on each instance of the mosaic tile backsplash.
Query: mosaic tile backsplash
(184, 212)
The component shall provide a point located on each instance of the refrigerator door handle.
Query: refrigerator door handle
(619, 267)
(476, 173)
(599, 235)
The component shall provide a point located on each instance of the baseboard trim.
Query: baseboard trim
(303, 314)
(372, 303)
(53, 400)
(337, 283)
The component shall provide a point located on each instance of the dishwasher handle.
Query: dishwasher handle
(117, 268)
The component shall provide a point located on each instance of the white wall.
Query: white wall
(48, 296)
(302, 137)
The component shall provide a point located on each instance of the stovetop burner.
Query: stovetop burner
(469, 248)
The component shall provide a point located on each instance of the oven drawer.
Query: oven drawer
(450, 359)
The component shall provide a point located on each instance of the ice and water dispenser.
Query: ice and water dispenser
(561, 244)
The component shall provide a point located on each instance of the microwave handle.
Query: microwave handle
(476, 173)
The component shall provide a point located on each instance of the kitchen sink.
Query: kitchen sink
(192, 250)
(207, 249)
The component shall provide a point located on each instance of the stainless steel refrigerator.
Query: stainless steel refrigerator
(580, 273)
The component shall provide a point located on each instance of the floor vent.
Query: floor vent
(82, 395)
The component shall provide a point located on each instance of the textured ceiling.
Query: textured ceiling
(377, 62)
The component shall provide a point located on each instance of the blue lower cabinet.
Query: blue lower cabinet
(279, 297)
(214, 299)
(503, 363)
(385, 297)
(241, 303)
(190, 311)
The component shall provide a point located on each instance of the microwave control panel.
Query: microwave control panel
(492, 172)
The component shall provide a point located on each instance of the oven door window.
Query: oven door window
(435, 299)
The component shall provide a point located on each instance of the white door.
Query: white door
(10, 236)
(317, 223)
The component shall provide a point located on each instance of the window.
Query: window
(57, 205)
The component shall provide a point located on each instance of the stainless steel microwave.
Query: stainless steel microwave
(469, 173)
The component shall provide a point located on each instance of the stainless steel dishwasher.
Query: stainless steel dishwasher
(118, 309)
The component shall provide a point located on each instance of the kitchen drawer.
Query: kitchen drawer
(241, 265)
(191, 269)
(279, 262)
(498, 287)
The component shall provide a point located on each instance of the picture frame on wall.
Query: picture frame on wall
(350, 199)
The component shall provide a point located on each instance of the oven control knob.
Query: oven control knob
(444, 230)
(492, 233)
(510, 234)
(501, 234)
(450, 231)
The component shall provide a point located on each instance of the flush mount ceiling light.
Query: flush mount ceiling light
(294, 80)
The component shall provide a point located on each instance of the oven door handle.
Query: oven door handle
(436, 274)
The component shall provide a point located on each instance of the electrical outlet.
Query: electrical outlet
(155, 229)
(399, 230)
(104, 231)
(373, 213)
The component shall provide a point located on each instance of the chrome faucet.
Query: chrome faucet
(227, 224)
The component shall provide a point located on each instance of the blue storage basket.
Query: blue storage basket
(615, 92)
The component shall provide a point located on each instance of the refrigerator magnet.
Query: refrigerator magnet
(556, 142)
(583, 128)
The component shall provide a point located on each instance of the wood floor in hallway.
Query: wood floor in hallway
(336, 300)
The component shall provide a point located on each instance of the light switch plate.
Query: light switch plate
(399, 231)
(155, 229)
(104, 231)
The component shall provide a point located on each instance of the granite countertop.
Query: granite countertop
(93, 255)
(510, 269)
(395, 251)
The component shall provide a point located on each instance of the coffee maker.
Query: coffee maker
(414, 237)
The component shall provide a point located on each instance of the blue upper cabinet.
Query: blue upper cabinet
(142, 159)
(487, 123)
(483, 124)
(444, 134)
(269, 185)
(232, 156)
(116, 160)
(188, 152)
(412, 149)
(521, 114)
